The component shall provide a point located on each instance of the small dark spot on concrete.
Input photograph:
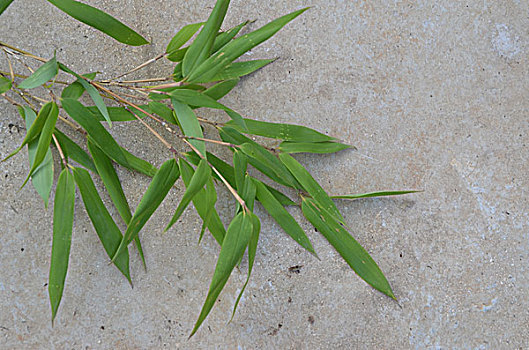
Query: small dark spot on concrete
(400, 255)
(21, 249)
(289, 299)
(311, 319)
(316, 230)
(45, 284)
(295, 269)
(102, 328)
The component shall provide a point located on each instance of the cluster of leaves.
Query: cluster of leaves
(205, 71)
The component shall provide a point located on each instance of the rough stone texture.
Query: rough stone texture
(435, 95)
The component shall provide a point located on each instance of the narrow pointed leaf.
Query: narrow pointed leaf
(116, 114)
(374, 194)
(201, 47)
(237, 237)
(63, 210)
(308, 147)
(97, 132)
(163, 111)
(189, 123)
(152, 198)
(235, 48)
(282, 217)
(239, 69)
(42, 178)
(215, 226)
(310, 185)
(5, 84)
(287, 132)
(210, 200)
(73, 151)
(240, 164)
(352, 252)
(221, 89)
(101, 21)
(43, 144)
(252, 251)
(92, 92)
(138, 164)
(76, 89)
(105, 227)
(182, 37)
(199, 179)
(45, 72)
(225, 37)
(4, 5)
(36, 127)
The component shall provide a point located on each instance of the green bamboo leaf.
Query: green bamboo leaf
(189, 123)
(5, 84)
(45, 72)
(99, 134)
(117, 114)
(74, 151)
(110, 178)
(42, 178)
(63, 209)
(252, 251)
(236, 48)
(92, 92)
(214, 224)
(101, 21)
(199, 179)
(36, 127)
(228, 173)
(310, 185)
(269, 164)
(210, 200)
(240, 164)
(201, 47)
(105, 227)
(237, 237)
(309, 147)
(282, 217)
(182, 37)
(4, 5)
(239, 69)
(287, 132)
(352, 252)
(221, 89)
(43, 144)
(152, 198)
(137, 164)
(163, 111)
(75, 90)
(375, 194)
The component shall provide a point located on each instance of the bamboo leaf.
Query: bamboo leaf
(201, 47)
(252, 251)
(239, 69)
(236, 48)
(92, 92)
(36, 127)
(352, 252)
(200, 177)
(43, 144)
(5, 84)
(182, 37)
(101, 21)
(240, 164)
(105, 227)
(310, 185)
(375, 194)
(221, 89)
(287, 132)
(309, 147)
(42, 178)
(152, 198)
(210, 200)
(45, 72)
(214, 224)
(75, 90)
(4, 4)
(74, 151)
(190, 125)
(97, 132)
(138, 164)
(63, 210)
(163, 111)
(282, 217)
(237, 237)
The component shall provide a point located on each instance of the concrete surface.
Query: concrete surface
(435, 95)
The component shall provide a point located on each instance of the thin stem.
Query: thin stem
(11, 72)
(61, 153)
(23, 52)
(143, 65)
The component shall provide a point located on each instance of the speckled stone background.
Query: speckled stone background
(435, 95)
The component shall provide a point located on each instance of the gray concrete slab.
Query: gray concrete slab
(435, 95)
